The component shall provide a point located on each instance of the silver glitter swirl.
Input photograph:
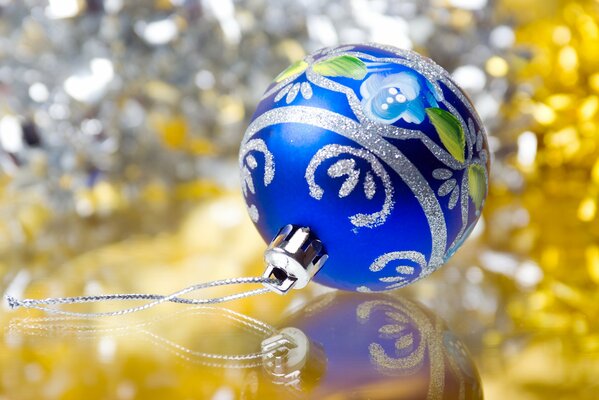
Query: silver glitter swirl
(251, 160)
(331, 85)
(347, 167)
(253, 213)
(306, 90)
(369, 186)
(366, 136)
(247, 182)
(269, 163)
(282, 93)
(382, 261)
(394, 132)
(447, 187)
(292, 93)
(453, 199)
(442, 173)
(471, 135)
(401, 278)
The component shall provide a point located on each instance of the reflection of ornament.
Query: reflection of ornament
(374, 346)
(378, 346)
(378, 153)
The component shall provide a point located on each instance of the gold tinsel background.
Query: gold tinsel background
(124, 180)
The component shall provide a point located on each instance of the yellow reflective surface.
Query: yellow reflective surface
(462, 344)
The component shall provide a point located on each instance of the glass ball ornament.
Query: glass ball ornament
(377, 154)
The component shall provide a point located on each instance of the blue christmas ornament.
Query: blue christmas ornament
(367, 165)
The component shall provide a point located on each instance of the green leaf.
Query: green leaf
(450, 131)
(477, 184)
(296, 68)
(344, 66)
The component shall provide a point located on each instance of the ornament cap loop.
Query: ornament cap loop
(293, 257)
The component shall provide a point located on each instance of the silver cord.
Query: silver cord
(41, 304)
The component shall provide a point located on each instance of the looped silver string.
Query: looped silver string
(42, 304)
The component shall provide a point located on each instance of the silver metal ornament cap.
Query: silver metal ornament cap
(293, 257)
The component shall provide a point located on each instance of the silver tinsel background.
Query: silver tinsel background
(86, 84)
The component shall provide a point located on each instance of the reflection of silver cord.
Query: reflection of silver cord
(250, 360)
(69, 324)
(157, 299)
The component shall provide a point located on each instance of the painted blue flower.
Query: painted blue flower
(404, 95)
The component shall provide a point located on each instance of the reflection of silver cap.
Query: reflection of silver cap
(284, 355)
(291, 360)
(293, 257)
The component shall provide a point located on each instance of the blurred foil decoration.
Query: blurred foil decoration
(139, 98)
(550, 146)
(125, 111)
